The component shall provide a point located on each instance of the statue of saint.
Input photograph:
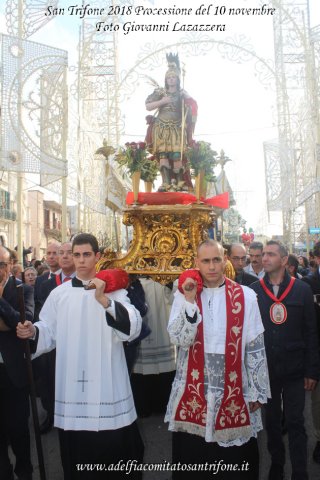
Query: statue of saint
(170, 130)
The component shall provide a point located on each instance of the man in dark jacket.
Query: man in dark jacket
(286, 307)
(314, 282)
(238, 257)
(43, 366)
(52, 259)
(14, 392)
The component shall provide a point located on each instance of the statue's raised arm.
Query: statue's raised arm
(170, 130)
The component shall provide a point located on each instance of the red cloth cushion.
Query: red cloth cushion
(195, 275)
(115, 279)
(177, 198)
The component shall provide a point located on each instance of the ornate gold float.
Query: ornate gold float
(165, 239)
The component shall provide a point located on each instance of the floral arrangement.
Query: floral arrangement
(132, 157)
(202, 157)
(150, 169)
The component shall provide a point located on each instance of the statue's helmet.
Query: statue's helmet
(173, 65)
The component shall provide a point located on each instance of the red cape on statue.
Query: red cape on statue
(178, 198)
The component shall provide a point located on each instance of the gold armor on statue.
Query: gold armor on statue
(170, 131)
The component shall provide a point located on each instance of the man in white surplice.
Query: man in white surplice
(202, 382)
(94, 408)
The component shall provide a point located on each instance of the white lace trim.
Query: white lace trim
(255, 381)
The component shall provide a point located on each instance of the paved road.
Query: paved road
(158, 449)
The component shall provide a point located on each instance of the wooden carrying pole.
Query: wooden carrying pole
(33, 397)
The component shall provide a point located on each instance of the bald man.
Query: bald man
(216, 324)
(238, 256)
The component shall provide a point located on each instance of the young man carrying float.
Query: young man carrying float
(94, 408)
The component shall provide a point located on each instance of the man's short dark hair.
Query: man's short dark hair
(293, 262)
(83, 238)
(256, 246)
(282, 248)
(316, 249)
(37, 264)
(305, 261)
(227, 248)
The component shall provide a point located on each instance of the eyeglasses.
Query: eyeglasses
(3, 264)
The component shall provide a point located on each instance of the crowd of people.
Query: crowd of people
(237, 334)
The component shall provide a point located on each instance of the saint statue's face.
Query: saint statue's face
(172, 80)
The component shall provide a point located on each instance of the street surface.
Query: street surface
(157, 441)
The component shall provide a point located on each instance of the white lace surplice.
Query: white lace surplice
(255, 377)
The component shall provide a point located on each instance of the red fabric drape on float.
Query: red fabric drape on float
(178, 198)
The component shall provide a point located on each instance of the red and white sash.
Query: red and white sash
(233, 414)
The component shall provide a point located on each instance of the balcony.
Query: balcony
(7, 214)
(53, 233)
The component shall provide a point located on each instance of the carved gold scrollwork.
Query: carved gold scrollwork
(165, 242)
(165, 239)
